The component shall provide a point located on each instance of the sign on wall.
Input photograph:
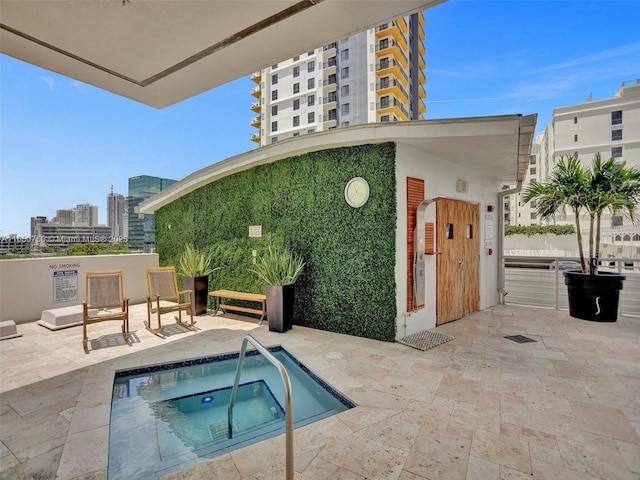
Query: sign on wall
(65, 282)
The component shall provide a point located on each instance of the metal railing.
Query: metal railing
(530, 281)
(288, 409)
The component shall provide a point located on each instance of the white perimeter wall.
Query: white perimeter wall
(440, 181)
(27, 285)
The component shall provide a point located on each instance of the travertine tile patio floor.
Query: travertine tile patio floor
(479, 407)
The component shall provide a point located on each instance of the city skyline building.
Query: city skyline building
(372, 76)
(141, 230)
(116, 209)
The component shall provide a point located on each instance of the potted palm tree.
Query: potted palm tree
(195, 268)
(279, 269)
(607, 185)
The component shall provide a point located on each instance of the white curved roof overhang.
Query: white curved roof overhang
(498, 146)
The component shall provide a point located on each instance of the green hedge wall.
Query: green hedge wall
(348, 285)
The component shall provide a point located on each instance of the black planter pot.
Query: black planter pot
(200, 291)
(280, 300)
(593, 297)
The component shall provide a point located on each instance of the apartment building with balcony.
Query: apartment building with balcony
(373, 76)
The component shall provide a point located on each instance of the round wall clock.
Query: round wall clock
(356, 193)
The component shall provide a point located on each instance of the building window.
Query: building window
(344, 109)
(311, 83)
(332, 62)
(274, 79)
(311, 67)
(534, 215)
(616, 221)
(616, 117)
(274, 95)
(384, 63)
(274, 126)
(384, 118)
(296, 121)
(384, 101)
(274, 139)
(311, 130)
(344, 124)
(296, 88)
(532, 170)
(384, 43)
(311, 117)
(296, 104)
(310, 52)
(296, 134)
(344, 54)
(311, 100)
(534, 203)
(332, 79)
(575, 119)
(384, 82)
(344, 90)
(616, 152)
(333, 114)
(274, 110)
(344, 73)
(532, 160)
(575, 138)
(296, 58)
(296, 71)
(332, 97)
(273, 67)
(616, 135)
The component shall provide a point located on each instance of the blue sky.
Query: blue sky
(63, 142)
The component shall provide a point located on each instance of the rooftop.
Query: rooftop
(481, 406)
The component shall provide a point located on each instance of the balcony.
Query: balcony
(255, 137)
(255, 91)
(392, 107)
(256, 76)
(384, 49)
(393, 87)
(390, 29)
(255, 106)
(392, 67)
(255, 121)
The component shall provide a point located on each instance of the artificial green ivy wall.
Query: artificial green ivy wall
(348, 285)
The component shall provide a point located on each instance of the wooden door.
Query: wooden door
(458, 261)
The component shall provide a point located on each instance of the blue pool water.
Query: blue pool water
(167, 417)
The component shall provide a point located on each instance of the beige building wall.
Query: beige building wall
(30, 285)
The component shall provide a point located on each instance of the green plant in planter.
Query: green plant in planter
(195, 268)
(607, 185)
(279, 269)
(194, 263)
(278, 266)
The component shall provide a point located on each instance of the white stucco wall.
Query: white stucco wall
(27, 285)
(440, 181)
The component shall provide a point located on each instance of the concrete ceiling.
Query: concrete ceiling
(162, 52)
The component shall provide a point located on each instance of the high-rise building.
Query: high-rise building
(372, 76)
(142, 234)
(86, 214)
(115, 214)
(64, 217)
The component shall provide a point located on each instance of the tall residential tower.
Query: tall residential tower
(372, 76)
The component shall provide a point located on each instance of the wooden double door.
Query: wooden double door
(458, 259)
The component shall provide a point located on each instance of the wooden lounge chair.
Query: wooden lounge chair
(105, 301)
(164, 297)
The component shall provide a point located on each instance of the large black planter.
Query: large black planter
(280, 300)
(593, 297)
(200, 291)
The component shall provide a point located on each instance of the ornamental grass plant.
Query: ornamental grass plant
(278, 266)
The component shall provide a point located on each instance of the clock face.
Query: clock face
(356, 193)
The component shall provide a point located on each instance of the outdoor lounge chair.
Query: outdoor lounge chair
(105, 301)
(164, 297)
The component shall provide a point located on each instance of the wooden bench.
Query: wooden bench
(251, 297)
